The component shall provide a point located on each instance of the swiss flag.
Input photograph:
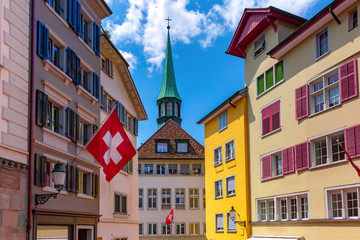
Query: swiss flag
(111, 147)
(170, 217)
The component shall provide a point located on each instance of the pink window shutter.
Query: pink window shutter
(275, 116)
(301, 102)
(265, 115)
(302, 156)
(266, 167)
(348, 80)
(352, 141)
(288, 160)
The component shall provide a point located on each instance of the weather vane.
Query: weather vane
(168, 19)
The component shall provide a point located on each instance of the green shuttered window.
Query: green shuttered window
(270, 78)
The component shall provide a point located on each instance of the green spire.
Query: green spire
(168, 88)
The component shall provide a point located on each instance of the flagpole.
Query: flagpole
(77, 155)
(349, 158)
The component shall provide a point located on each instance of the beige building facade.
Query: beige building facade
(119, 197)
(303, 99)
(14, 117)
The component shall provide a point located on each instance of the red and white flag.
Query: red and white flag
(350, 159)
(111, 147)
(170, 217)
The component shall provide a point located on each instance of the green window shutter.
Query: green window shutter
(279, 72)
(260, 85)
(269, 78)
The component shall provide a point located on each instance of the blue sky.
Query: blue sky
(200, 34)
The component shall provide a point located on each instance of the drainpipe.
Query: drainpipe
(334, 16)
(31, 120)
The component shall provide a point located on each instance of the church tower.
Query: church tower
(169, 101)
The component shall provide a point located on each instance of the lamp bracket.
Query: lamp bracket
(43, 198)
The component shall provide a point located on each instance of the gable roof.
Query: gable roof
(253, 22)
(171, 131)
(309, 27)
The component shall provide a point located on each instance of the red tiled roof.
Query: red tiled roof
(171, 131)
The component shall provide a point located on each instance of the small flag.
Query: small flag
(170, 217)
(350, 159)
(111, 147)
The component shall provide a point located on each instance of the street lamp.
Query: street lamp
(233, 214)
(59, 179)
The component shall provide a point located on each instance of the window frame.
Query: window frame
(271, 130)
(194, 198)
(121, 211)
(179, 194)
(152, 229)
(226, 182)
(318, 55)
(228, 219)
(141, 199)
(223, 121)
(275, 83)
(217, 157)
(351, 20)
(87, 227)
(221, 190)
(181, 227)
(232, 156)
(216, 222)
(168, 229)
(152, 198)
(166, 195)
(262, 47)
(192, 227)
(182, 141)
(162, 141)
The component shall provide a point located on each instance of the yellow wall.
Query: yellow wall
(300, 67)
(236, 130)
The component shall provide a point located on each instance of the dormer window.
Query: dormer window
(162, 146)
(259, 46)
(182, 145)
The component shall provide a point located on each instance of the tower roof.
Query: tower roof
(168, 88)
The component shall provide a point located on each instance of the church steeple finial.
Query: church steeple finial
(169, 100)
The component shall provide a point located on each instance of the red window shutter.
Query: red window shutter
(301, 102)
(302, 156)
(352, 141)
(266, 167)
(288, 160)
(275, 116)
(265, 115)
(348, 80)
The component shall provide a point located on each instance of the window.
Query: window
(109, 103)
(353, 23)
(73, 66)
(182, 145)
(231, 225)
(184, 169)
(85, 79)
(55, 54)
(172, 168)
(194, 229)
(180, 198)
(84, 128)
(162, 109)
(217, 156)
(152, 198)
(194, 198)
(53, 118)
(107, 66)
(271, 165)
(141, 198)
(152, 229)
(229, 151)
(325, 149)
(166, 198)
(218, 189)
(96, 38)
(270, 116)
(85, 232)
(223, 121)
(324, 92)
(204, 199)
(72, 124)
(196, 168)
(96, 86)
(55, 231)
(160, 169)
(322, 43)
(270, 78)
(169, 109)
(166, 229)
(86, 29)
(176, 110)
(149, 168)
(219, 222)
(204, 228)
(180, 229)
(162, 146)
(343, 202)
(85, 182)
(57, 5)
(120, 203)
(259, 46)
(139, 168)
(230, 186)
(289, 207)
(141, 227)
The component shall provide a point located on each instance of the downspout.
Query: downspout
(31, 120)
(334, 16)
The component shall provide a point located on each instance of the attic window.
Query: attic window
(259, 46)
(162, 146)
(182, 145)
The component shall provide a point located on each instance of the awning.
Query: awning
(275, 238)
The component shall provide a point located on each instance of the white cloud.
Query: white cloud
(144, 24)
(130, 58)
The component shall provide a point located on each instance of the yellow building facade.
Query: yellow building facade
(303, 98)
(226, 169)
